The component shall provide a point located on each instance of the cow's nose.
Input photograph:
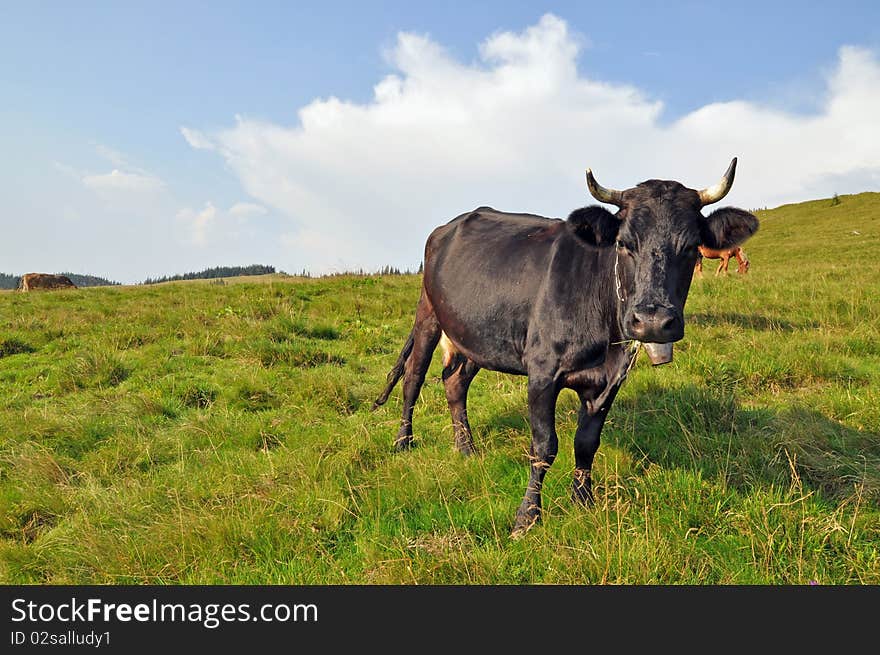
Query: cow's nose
(655, 324)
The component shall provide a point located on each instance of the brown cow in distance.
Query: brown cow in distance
(724, 256)
(44, 281)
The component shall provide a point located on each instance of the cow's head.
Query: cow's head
(656, 233)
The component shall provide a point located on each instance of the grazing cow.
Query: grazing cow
(565, 302)
(724, 255)
(44, 281)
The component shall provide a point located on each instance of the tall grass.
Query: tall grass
(195, 433)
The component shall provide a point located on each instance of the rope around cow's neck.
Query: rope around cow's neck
(620, 296)
(620, 290)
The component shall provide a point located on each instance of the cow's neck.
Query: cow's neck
(613, 295)
(621, 351)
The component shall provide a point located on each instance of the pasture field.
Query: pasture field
(202, 433)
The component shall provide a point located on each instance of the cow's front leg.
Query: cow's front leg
(542, 416)
(586, 443)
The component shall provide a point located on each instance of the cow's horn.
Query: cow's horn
(600, 193)
(715, 193)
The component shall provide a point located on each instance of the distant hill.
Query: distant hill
(11, 281)
(216, 272)
(845, 229)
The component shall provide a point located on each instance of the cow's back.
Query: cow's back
(483, 273)
(45, 281)
(712, 253)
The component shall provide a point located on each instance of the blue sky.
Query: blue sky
(89, 89)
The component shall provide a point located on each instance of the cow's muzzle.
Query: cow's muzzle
(654, 324)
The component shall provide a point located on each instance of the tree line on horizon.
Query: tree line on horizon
(215, 272)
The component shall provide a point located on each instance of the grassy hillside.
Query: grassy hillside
(198, 433)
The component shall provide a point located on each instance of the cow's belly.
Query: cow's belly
(490, 344)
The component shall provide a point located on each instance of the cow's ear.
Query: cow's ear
(595, 225)
(728, 227)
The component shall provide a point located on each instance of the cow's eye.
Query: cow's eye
(624, 246)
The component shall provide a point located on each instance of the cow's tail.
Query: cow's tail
(397, 372)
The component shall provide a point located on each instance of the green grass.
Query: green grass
(197, 433)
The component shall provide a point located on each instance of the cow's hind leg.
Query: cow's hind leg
(426, 334)
(545, 445)
(458, 372)
(742, 262)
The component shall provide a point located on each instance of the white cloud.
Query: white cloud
(197, 223)
(113, 156)
(365, 183)
(125, 178)
(196, 139)
(200, 227)
(247, 209)
(117, 180)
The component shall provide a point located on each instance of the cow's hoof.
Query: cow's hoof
(526, 518)
(581, 496)
(404, 443)
(582, 488)
(466, 448)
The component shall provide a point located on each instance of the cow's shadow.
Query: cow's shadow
(707, 430)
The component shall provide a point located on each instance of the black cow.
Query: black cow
(565, 302)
